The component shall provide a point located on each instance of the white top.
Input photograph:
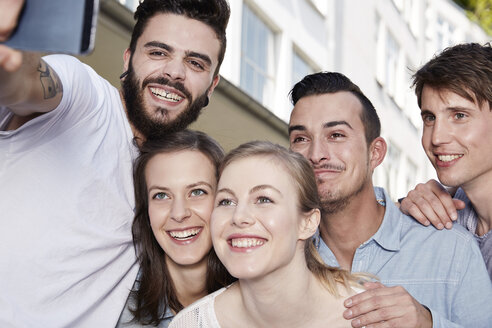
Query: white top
(199, 314)
(66, 208)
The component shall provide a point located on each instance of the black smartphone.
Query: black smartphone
(56, 26)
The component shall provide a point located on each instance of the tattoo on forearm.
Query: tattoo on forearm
(49, 80)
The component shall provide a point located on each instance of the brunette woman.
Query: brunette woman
(175, 183)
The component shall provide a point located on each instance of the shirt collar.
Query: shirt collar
(388, 234)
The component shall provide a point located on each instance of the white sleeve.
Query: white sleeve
(86, 97)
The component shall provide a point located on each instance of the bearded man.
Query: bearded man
(67, 140)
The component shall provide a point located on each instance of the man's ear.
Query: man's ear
(309, 224)
(215, 81)
(377, 152)
(126, 59)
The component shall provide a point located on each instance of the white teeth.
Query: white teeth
(163, 94)
(185, 234)
(448, 158)
(246, 242)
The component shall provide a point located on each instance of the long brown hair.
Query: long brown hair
(302, 174)
(155, 291)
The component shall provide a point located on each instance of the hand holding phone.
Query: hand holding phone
(56, 26)
(9, 13)
(10, 59)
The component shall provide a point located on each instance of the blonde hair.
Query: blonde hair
(302, 174)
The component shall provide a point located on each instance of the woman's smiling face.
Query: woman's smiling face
(256, 220)
(181, 188)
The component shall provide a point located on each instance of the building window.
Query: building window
(400, 4)
(257, 53)
(393, 166)
(300, 68)
(321, 5)
(412, 16)
(411, 175)
(391, 66)
(444, 34)
(130, 4)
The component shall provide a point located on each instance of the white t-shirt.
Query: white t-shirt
(66, 208)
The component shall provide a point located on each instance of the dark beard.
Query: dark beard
(332, 206)
(138, 117)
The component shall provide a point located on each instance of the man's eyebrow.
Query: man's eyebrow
(449, 109)
(203, 57)
(159, 45)
(425, 112)
(296, 128)
(189, 53)
(335, 123)
(460, 108)
(325, 125)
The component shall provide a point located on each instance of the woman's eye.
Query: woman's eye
(160, 195)
(225, 202)
(264, 200)
(198, 192)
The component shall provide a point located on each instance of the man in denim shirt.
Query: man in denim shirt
(455, 97)
(337, 129)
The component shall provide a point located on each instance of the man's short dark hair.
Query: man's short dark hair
(332, 82)
(214, 13)
(465, 69)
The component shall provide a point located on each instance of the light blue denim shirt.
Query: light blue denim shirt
(442, 269)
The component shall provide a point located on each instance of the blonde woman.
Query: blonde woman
(266, 212)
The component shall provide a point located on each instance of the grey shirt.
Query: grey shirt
(468, 218)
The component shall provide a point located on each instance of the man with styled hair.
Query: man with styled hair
(67, 142)
(454, 93)
(337, 129)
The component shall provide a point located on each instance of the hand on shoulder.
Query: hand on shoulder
(431, 203)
